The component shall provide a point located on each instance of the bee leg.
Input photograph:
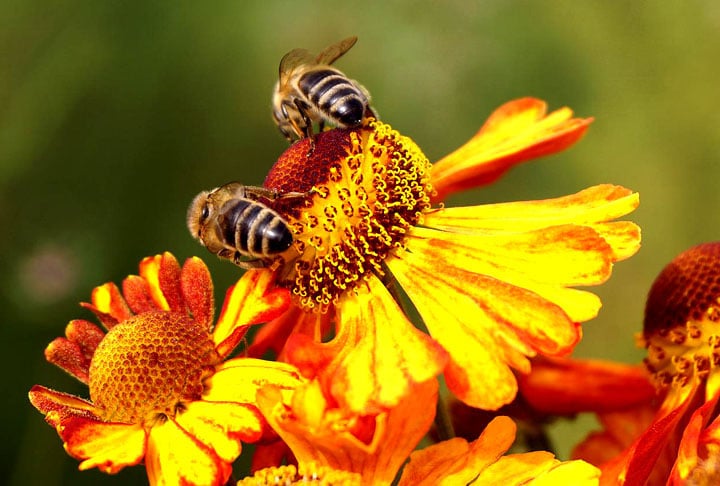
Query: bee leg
(247, 264)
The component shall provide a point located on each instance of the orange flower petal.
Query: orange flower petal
(252, 300)
(107, 446)
(197, 290)
(377, 354)
(176, 457)
(274, 334)
(137, 293)
(222, 425)
(456, 461)
(563, 386)
(327, 438)
(517, 131)
(238, 380)
(68, 356)
(169, 282)
(688, 456)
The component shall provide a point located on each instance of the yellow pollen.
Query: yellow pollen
(147, 367)
(364, 201)
(308, 474)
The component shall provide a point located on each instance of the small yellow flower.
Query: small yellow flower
(162, 390)
(493, 284)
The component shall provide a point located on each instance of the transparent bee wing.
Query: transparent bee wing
(330, 54)
(293, 59)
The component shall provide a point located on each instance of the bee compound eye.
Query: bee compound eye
(205, 214)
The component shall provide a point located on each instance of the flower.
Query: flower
(370, 449)
(492, 283)
(161, 387)
(680, 444)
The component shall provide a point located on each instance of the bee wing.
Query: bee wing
(330, 54)
(293, 59)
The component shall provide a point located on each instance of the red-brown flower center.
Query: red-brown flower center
(149, 365)
(369, 186)
(682, 317)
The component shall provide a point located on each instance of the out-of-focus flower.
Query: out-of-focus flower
(162, 390)
(492, 283)
(680, 442)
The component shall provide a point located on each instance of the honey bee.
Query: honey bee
(231, 222)
(310, 91)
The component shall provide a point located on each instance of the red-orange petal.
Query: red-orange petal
(197, 291)
(68, 356)
(169, 279)
(48, 401)
(563, 386)
(252, 300)
(137, 293)
(516, 132)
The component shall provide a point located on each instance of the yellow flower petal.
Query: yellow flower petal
(238, 380)
(150, 271)
(107, 446)
(176, 457)
(485, 324)
(517, 131)
(379, 352)
(222, 425)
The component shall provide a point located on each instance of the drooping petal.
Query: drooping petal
(485, 324)
(517, 131)
(564, 386)
(222, 425)
(176, 457)
(252, 300)
(238, 380)
(318, 433)
(377, 355)
(107, 446)
(197, 291)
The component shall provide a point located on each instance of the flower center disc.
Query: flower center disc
(370, 185)
(149, 365)
(682, 317)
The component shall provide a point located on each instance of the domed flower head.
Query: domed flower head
(162, 390)
(681, 443)
(493, 284)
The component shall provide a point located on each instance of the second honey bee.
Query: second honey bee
(309, 91)
(232, 222)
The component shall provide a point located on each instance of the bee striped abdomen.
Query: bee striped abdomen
(255, 230)
(334, 95)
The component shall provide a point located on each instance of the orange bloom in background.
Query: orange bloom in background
(162, 390)
(492, 283)
(680, 444)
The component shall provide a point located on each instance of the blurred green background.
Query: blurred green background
(113, 115)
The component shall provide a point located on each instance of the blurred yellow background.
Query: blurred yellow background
(113, 115)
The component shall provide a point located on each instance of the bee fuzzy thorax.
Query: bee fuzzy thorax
(369, 186)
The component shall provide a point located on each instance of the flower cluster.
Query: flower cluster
(383, 291)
